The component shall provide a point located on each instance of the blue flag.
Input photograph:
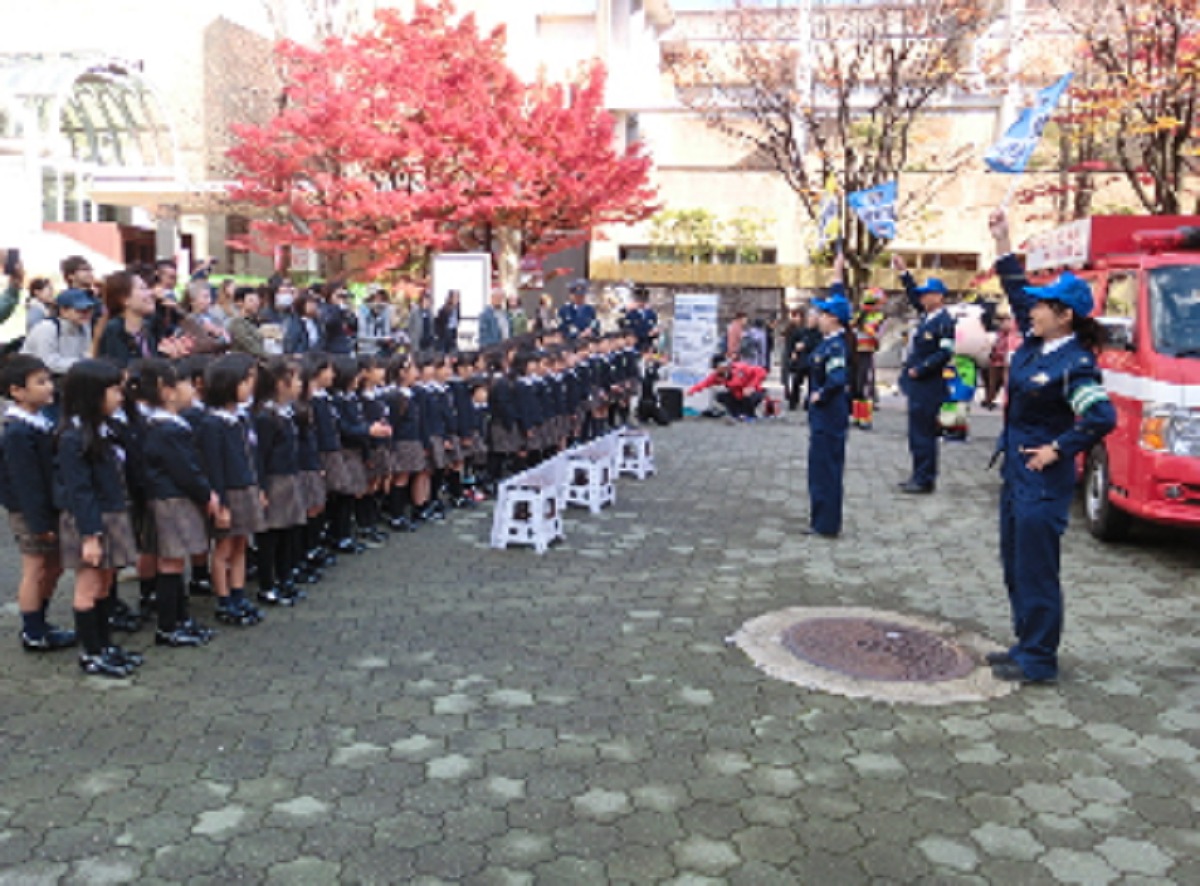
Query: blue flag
(877, 208)
(1011, 154)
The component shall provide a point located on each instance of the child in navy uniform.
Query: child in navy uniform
(227, 456)
(178, 496)
(410, 469)
(355, 433)
(312, 479)
(27, 492)
(95, 532)
(340, 484)
(278, 454)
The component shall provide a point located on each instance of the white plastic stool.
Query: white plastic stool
(529, 509)
(590, 480)
(636, 454)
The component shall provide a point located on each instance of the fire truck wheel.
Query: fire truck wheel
(1105, 520)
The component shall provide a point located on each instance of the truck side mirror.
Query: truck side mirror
(1118, 333)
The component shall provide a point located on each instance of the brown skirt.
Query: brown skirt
(285, 501)
(379, 463)
(356, 470)
(312, 490)
(337, 477)
(245, 511)
(28, 543)
(408, 457)
(506, 441)
(179, 528)
(119, 545)
(471, 446)
(442, 454)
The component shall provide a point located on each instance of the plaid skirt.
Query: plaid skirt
(179, 527)
(472, 445)
(408, 457)
(379, 463)
(144, 530)
(356, 470)
(285, 502)
(506, 441)
(28, 543)
(118, 544)
(312, 490)
(246, 513)
(442, 454)
(342, 477)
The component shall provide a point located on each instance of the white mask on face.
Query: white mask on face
(284, 300)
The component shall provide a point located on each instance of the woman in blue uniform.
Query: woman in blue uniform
(828, 414)
(1057, 409)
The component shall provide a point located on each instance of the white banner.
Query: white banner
(470, 274)
(695, 337)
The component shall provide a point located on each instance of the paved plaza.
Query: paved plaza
(439, 712)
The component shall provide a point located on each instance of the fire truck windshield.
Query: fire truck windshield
(1175, 310)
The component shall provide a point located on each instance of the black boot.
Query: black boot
(105, 607)
(170, 630)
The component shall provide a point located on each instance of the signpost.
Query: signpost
(695, 337)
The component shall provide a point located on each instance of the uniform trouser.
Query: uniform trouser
(923, 440)
(826, 470)
(1030, 542)
(795, 378)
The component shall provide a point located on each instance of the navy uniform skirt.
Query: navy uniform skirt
(180, 529)
(118, 543)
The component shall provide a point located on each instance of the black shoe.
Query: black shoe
(1012, 673)
(236, 615)
(124, 656)
(177, 639)
(193, 627)
(122, 618)
(401, 524)
(917, 488)
(54, 638)
(200, 588)
(292, 593)
(813, 532)
(348, 546)
(103, 666)
(307, 575)
(275, 597)
(999, 658)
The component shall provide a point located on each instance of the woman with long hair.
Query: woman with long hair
(131, 332)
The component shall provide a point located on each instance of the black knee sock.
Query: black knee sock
(169, 589)
(104, 608)
(362, 511)
(455, 484)
(268, 548)
(146, 589)
(87, 630)
(201, 571)
(341, 514)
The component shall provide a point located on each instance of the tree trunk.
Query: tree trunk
(508, 241)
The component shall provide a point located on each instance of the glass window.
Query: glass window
(1175, 310)
(1121, 299)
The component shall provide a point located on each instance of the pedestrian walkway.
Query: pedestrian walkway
(441, 712)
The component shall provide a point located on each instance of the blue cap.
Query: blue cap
(836, 305)
(578, 287)
(1068, 290)
(75, 299)
(933, 284)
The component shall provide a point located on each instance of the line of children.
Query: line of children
(189, 463)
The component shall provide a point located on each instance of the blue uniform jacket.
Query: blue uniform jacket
(351, 422)
(830, 381)
(86, 488)
(641, 322)
(930, 349)
(437, 411)
(278, 448)
(464, 413)
(325, 423)
(172, 462)
(1055, 398)
(529, 405)
(27, 471)
(226, 454)
(502, 402)
(405, 415)
(575, 319)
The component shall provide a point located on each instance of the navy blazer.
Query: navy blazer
(437, 414)
(325, 423)
(830, 385)
(172, 462)
(528, 413)
(502, 402)
(464, 407)
(226, 454)
(278, 445)
(27, 470)
(375, 408)
(351, 422)
(86, 488)
(930, 349)
(405, 415)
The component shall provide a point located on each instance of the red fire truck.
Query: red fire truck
(1145, 273)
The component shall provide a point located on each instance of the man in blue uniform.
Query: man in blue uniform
(578, 318)
(828, 414)
(930, 348)
(1057, 410)
(642, 320)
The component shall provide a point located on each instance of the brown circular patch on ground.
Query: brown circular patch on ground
(869, 653)
(872, 649)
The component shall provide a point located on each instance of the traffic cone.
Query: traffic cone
(866, 416)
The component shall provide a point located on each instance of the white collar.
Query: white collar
(33, 419)
(162, 415)
(1049, 347)
(322, 394)
(227, 415)
(835, 334)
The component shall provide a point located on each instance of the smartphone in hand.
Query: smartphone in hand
(12, 261)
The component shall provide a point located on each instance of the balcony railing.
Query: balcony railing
(747, 276)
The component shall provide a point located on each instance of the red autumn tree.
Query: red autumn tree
(417, 136)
